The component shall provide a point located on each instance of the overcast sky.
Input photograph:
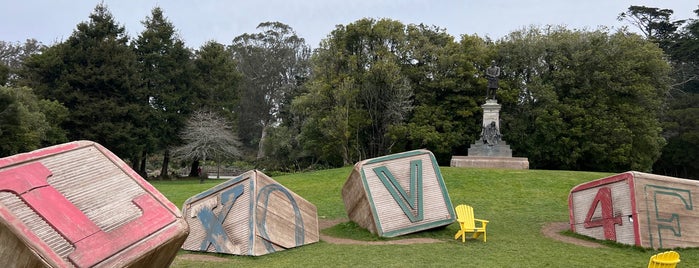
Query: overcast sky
(198, 21)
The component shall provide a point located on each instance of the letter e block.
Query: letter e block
(249, 215)
(398, 194)
(79, 205)
(637, 208)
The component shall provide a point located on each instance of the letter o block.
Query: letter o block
(398, 194)
(637, 208)
(249, 215)
(79, 205)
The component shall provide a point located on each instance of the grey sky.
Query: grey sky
(203, 20)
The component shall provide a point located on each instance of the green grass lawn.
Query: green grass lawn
(516, 202)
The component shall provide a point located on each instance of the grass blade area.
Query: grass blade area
(516, 202)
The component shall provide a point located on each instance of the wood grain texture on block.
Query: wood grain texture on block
(249, 215)
(398, 194)
(637, 208)
(79, 205)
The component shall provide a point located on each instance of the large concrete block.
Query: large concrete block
(78, 205)
(249, 215)
(637, 208)
(398, 194)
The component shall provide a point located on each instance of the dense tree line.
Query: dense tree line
(572, 99)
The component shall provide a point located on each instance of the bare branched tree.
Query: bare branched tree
(207, 136)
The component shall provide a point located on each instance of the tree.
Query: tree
(357, 93)
(167, 75)
(207, 136)
(274, 64)
(680, 157)
(27, 122)
(586, 100)
(93, 74)
(12, 56)
(653, 22)
(447, 80)
(217, 79)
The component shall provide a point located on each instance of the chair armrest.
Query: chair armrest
(481, 220)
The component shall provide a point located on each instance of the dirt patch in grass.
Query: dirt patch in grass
(199, 258)
(324, 224)
(553, 230)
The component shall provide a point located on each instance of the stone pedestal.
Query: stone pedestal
(490, 162)
(490, 151)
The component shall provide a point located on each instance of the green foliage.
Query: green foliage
(274, 65)
(381, 86)
(92, 74)
(653, 22)
(217, 79)
(680, 157)
(448, 92)
(167, 78)
(12, 55)
(4, 74)
(576, 100)
(28, 123)
(586, 100)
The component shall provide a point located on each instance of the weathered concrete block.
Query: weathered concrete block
(637, 208)
(398, 194)
(249, 215)
(79, 205)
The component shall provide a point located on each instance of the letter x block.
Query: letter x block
(398, 194)
(78, 205)
(249, 215)
(637, 208)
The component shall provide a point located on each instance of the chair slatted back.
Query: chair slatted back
(464, 213)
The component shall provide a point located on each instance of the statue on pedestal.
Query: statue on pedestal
(492, 74)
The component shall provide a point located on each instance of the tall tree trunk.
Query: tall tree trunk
(166, 162)
(142, 166)
(135, 162)
(260, 146)
(194, 172)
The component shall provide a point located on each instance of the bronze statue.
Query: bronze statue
(491, 134)
(492, 74)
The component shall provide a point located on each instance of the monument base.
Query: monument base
(487, 150)
(490, 162)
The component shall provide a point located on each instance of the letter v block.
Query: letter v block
(398, 194)
(249, 215)
(79, 205)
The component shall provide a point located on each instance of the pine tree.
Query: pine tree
(93, 74)
(167, 76)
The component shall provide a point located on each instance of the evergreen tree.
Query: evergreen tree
(217, 79)
(680, 157)
(94, 75)
(166, 69)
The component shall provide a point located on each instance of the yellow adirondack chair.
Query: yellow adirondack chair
(667, 259)
(467, 223)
